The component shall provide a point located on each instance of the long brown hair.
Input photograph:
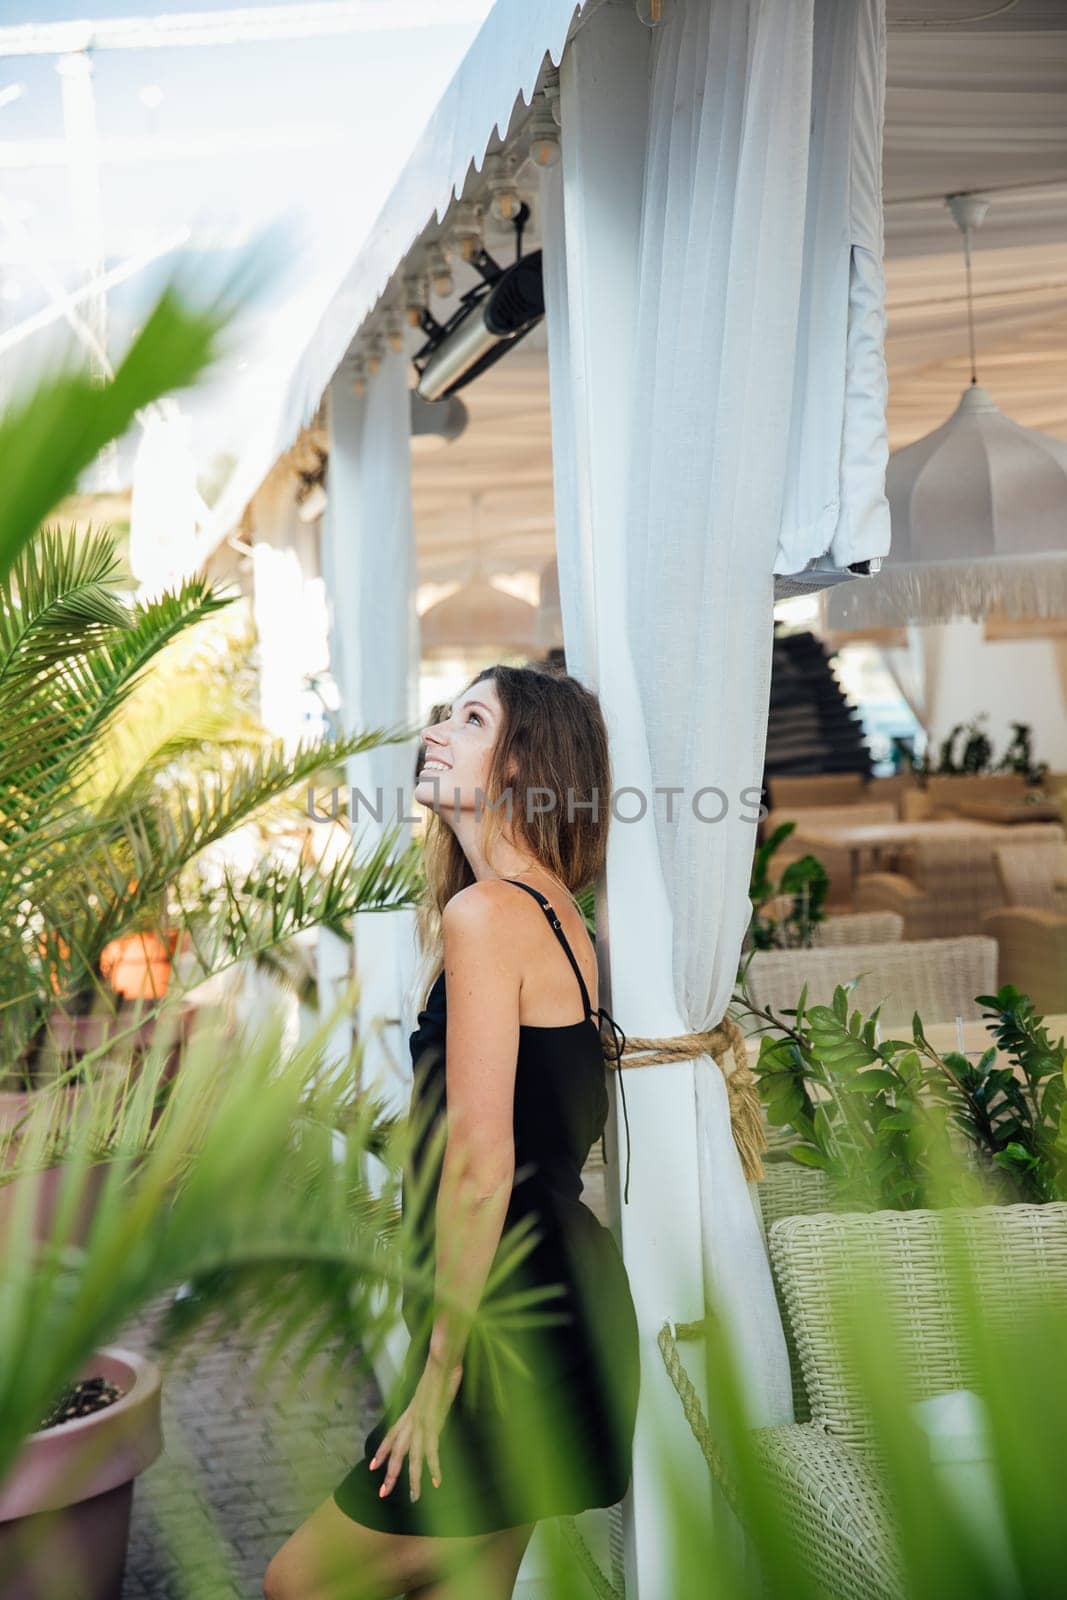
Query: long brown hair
(552, 737)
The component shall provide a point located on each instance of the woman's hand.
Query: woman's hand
(416, 1431)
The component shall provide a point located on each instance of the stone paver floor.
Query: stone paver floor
(242, 1465)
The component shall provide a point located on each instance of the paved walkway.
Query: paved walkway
(241, 1468)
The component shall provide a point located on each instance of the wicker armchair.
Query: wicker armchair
(870, 927)
(945, 886)
(824, 1468)
(861, 927)
(939, 978)
(1031, 929)
(1033, 874)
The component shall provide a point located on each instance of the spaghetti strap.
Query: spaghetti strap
(557, 928)
(600, 1016)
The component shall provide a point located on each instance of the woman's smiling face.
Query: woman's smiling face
(459, 751)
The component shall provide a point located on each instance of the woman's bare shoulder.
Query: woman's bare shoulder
(487, 907)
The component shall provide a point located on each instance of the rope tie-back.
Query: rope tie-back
(725, 1043)
(667, 1339)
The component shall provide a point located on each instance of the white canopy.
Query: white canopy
(969, 105)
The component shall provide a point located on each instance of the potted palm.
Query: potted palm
(104, 1185)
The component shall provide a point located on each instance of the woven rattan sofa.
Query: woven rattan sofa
(945, 886)
(939, 978)
(822, 1466)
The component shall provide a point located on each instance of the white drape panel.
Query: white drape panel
(721, 267)
(834, 491)
(755, 441)
(374, 630)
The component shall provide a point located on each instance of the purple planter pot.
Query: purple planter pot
(65, 1505)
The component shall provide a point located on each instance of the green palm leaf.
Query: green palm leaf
(52, 435)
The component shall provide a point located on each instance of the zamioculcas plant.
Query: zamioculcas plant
(876, 1114)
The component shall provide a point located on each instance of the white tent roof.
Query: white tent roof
(970, 105)
(495, 80)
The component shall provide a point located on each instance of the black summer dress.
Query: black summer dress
(549, 1432)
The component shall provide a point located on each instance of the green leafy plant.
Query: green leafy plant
(976, 755)
(98, 846)
(1019, 755)
(878, 1115)
(804, 883)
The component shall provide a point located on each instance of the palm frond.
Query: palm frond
(56, 601)
(56, 431)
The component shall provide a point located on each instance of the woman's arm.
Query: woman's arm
(482, 978)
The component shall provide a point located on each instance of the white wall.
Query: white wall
(1012, 680)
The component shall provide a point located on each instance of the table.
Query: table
(876, 837)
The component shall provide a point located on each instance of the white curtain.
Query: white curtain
(369, 561)
(834, 490)
(755, 441)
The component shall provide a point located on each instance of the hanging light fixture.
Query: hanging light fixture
(478, 619)
(978, 511)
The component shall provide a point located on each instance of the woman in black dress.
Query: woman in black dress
(480, 1440)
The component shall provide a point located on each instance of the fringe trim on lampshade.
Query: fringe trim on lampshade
(940, 591)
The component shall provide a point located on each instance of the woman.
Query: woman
(481, 1441)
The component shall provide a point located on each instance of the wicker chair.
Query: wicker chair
(1033, 874)
(869, 927)
(822, 789)
(861, 927)
(939, 978)
(1031, 928)
(945, 886)
(824, 1468)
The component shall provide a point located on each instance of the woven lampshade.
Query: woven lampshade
(979, 519)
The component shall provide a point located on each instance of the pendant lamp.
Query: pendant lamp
(478, 618)
(978, 511)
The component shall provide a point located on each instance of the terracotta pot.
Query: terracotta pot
(65, 1505)
(138, 965)
(15, 1105)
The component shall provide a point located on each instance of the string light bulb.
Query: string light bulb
(416, 294)
(505, 200)
(374, 354)
(544, 138)
(359, 377)
(439, 270)
(465, 232)
(652, 12)
(394, 333)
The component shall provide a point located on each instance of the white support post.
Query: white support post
(372, 583)
(604, 89)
